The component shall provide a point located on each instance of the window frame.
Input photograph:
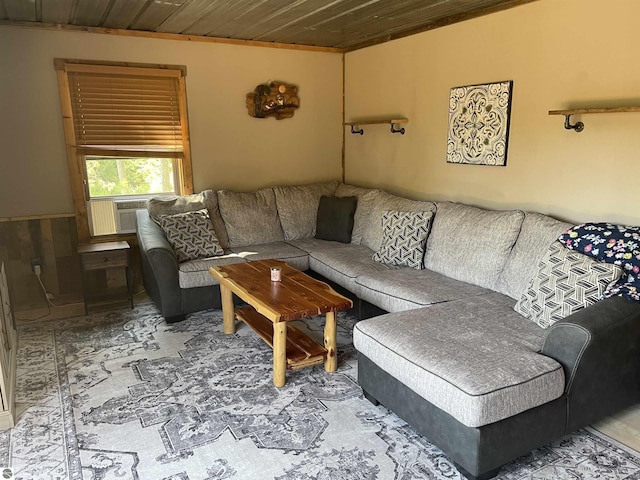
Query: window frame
(76, 155)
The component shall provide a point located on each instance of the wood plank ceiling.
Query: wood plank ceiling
(341, 24)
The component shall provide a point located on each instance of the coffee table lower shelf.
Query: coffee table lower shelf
(302, 351)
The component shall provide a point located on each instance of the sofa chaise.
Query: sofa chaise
(460, 354)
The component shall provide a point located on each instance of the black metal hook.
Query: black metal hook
(353, 130)
(578, 126)
(400, 130)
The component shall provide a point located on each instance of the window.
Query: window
(127, 139)
(115, 176)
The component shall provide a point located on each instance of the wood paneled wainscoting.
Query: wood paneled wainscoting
(52, 239)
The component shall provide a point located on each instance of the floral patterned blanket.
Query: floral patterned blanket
(610, 243)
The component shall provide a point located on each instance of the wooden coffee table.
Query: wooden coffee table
(273, 304)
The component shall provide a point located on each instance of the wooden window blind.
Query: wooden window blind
(116, 109)
(125, 109)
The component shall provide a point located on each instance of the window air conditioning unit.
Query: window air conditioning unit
(125, 214)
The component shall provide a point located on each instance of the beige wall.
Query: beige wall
(560, 54)
(229, 148)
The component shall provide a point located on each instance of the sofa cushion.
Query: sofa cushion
(480, 369)
(537, 233)
(406, 288)
(191, 235)
(346, 190)
(289, 254)
(172, 204)
(251, 218)
(471, 244)
(375, 204)
(312, 245)
(195, 273)
(298, 207)
(566, 281)
(343, 262)
(335, 218)
(404, 238)
(362, 217)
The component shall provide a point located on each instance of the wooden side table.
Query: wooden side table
(106, 257)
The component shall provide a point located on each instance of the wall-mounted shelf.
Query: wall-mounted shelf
(390, 121)
(579, 126)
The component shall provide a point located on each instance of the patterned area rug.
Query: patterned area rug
(123, 395)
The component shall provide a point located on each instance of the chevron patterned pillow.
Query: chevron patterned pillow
(566, 282)
(191, 235)
(404, 235)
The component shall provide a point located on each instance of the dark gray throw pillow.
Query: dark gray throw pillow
(335, 218)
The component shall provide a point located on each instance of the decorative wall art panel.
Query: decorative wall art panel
(479, 124)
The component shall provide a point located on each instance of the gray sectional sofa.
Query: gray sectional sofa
(451, 355)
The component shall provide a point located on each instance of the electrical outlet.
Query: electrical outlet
(36, 262)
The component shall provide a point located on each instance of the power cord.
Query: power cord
(37, 270)
(48, 296)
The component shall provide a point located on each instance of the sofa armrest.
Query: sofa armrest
(159, 266)
(599, 349)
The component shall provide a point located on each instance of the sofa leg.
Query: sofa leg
(368, 396)
(483, 476)
(174, 319)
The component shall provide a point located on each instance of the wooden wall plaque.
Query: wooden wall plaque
(275, 99)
